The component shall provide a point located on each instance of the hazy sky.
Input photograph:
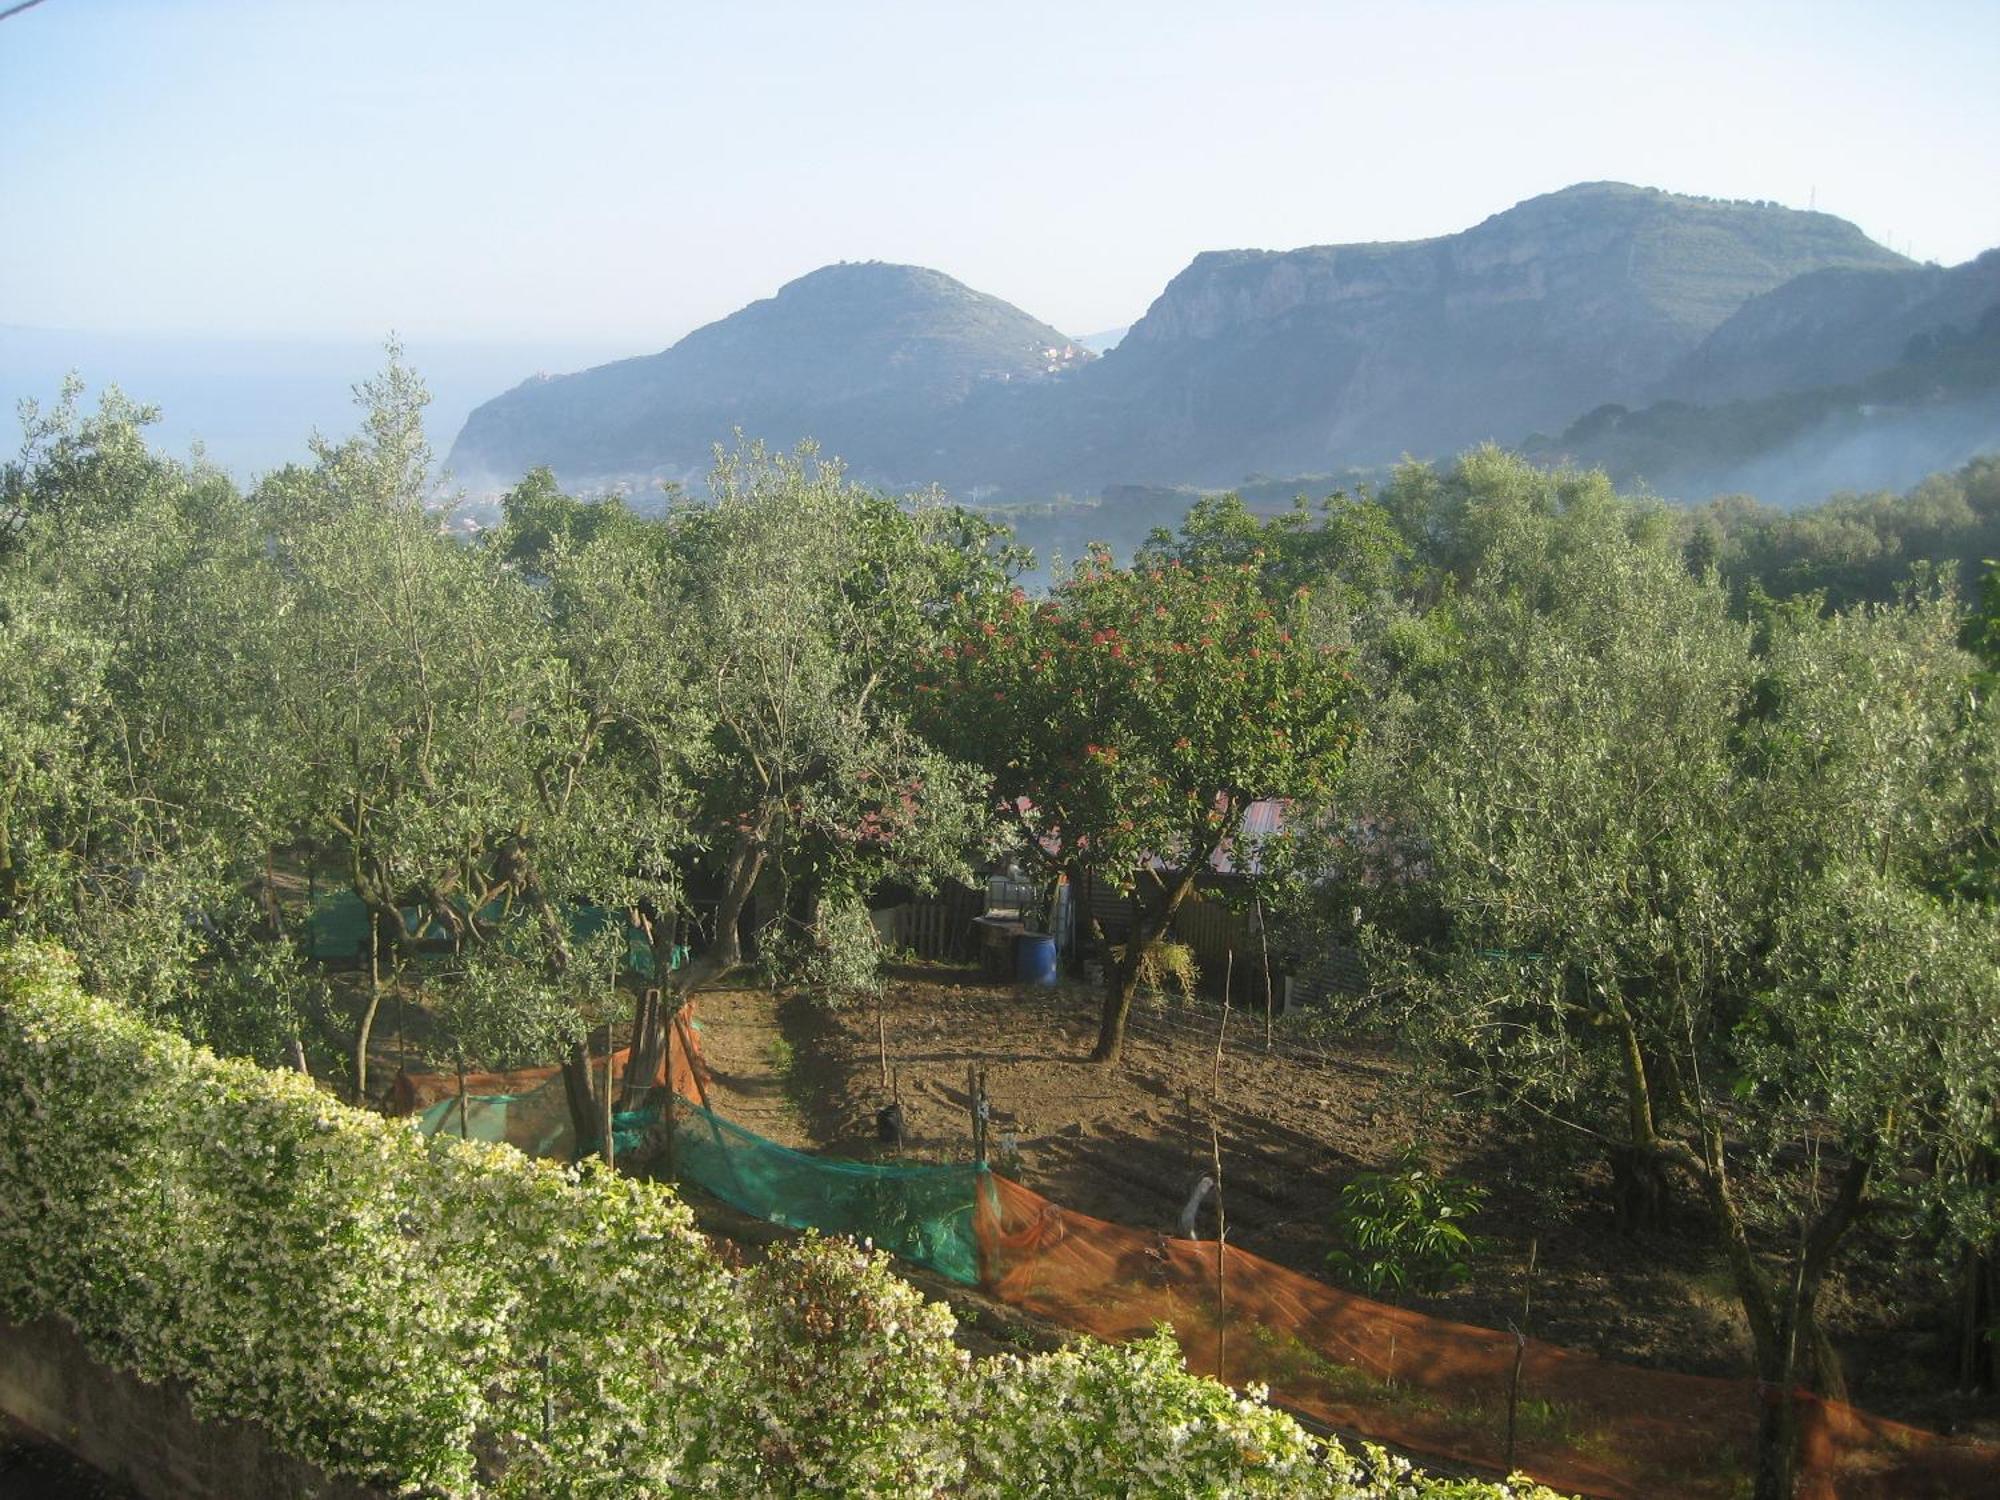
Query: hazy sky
(623, 172)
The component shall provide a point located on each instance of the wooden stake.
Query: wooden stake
(667, 1107)
(1221, 1235)
(1221, 1030)
(464, 1130)
(610, 1047)
(881, 1038)
(609, 1037)
(1264, 937)
(975, 1089)
(1520, 1351)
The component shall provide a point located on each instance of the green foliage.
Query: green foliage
(1982, 630)
(1638, 873)
(834, 959)
(1853, 548)
(1403, 1229)
(804, 595)
(853, 1378)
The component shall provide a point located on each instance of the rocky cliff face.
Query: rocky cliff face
(1308, 359)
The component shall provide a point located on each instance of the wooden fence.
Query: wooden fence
(938, 927)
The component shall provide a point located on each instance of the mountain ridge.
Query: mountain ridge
(1273, 361)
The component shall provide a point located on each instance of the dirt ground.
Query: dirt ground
(1295, 1124)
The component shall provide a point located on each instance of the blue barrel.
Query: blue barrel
(1035, 959)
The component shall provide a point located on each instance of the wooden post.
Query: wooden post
(609, 1105)
(1221, 1032)
(1221, 1236)
(464, 1130)
(1187, 1134)
(610, 1050)
(975, 1093)
(1264, 938)
(881, 1037)
(1520, 1351)
(896, 1098)
(667, 1106)
(374, 1001)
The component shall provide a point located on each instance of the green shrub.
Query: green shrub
(1402, 1230)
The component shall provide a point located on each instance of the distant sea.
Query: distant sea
(251, 403)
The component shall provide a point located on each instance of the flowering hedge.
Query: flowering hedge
(454, 1318)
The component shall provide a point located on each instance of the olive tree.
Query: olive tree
(141, 795)
(806, 596)
(1679, 886)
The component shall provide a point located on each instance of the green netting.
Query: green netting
(921, 1213)
(537, 1122)
(337, 928)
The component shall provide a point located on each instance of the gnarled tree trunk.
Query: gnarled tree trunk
(1790, 1342)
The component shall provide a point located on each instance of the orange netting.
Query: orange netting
(1425, 1384)
(411, 1092)
(1437, 1387)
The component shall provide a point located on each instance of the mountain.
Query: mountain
(1250, 361)
(1307, 360)
(866, 358)
(1933, 409)
(1832, 327)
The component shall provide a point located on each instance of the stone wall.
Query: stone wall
(145, 1436)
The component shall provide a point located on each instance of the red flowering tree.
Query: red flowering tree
(1129, 721)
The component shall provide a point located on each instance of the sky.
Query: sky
(618, 173)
